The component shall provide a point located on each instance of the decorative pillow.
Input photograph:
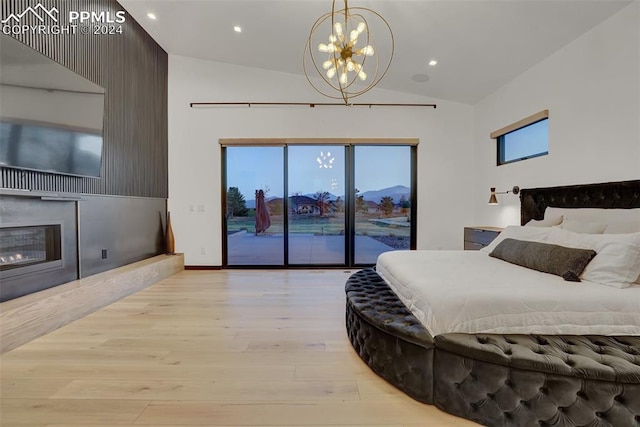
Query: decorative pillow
(533, 234)
(567, 263)
(583, 226)
(546, 222)
(618, 261)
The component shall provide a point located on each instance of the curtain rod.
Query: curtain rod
(306, 104)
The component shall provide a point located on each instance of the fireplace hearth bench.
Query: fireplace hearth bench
(26, 318)
(496, 380)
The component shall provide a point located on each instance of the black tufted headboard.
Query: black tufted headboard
(608, 195)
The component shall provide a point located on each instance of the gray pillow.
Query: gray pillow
(559, 260)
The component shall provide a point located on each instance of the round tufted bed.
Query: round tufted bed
(504, 379)
(388, 337)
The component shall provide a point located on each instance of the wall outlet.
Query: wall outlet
(200, 208)
(203, 251)
(104, 254)
(192, 208)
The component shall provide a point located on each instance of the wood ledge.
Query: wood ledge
(26, 318)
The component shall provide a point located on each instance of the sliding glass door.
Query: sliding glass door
(344, 204)
(254, 208)
(382, 201)
(316, 177)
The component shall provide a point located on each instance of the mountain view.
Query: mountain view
(396, 192)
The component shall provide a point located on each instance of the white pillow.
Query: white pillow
(617, 262)
(623, 227)
(606, 216)
(583, 226)
(546, 222)
(532, 234)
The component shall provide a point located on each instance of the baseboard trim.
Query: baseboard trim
(31, 316)
(203, 267)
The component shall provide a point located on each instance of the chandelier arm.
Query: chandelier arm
(308, 46)
(369, 39)
(304, 66)
(377, 80)
(316, 89)
(374, 78)
(335, 58)
(355, 77)
(346, 11)
(318, 22)
(345, 93)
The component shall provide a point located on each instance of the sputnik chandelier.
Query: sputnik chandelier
(349, 64)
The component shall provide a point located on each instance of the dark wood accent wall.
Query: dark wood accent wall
(132, 68)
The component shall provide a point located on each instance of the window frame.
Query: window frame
(349, 144)
(500, 134)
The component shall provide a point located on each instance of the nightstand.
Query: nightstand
(478, 237)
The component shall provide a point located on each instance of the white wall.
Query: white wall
(444, 158)
(592, 90)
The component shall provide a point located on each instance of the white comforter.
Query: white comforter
(470, 292)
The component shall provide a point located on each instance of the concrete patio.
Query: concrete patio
(304, 249)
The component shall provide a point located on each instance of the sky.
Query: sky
(527, 141)
(376, 167)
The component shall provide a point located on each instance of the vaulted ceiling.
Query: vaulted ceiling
(480, 45)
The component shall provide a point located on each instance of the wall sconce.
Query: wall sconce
(493, 200)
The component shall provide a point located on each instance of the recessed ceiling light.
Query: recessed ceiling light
(433, 63)
(237, 29)
(151, 16)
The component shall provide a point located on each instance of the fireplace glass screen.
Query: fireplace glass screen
(27, 246)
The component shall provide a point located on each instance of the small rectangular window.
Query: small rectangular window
(523, 140)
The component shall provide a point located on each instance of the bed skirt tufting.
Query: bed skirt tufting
(388, 337)
(496, 380)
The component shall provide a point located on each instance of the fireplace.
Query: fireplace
(25, 249)
(38, 244)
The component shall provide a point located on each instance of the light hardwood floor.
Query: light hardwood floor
(218, 348)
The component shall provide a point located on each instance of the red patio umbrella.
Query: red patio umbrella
(262, 213)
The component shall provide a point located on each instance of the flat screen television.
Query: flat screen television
(51, 119)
